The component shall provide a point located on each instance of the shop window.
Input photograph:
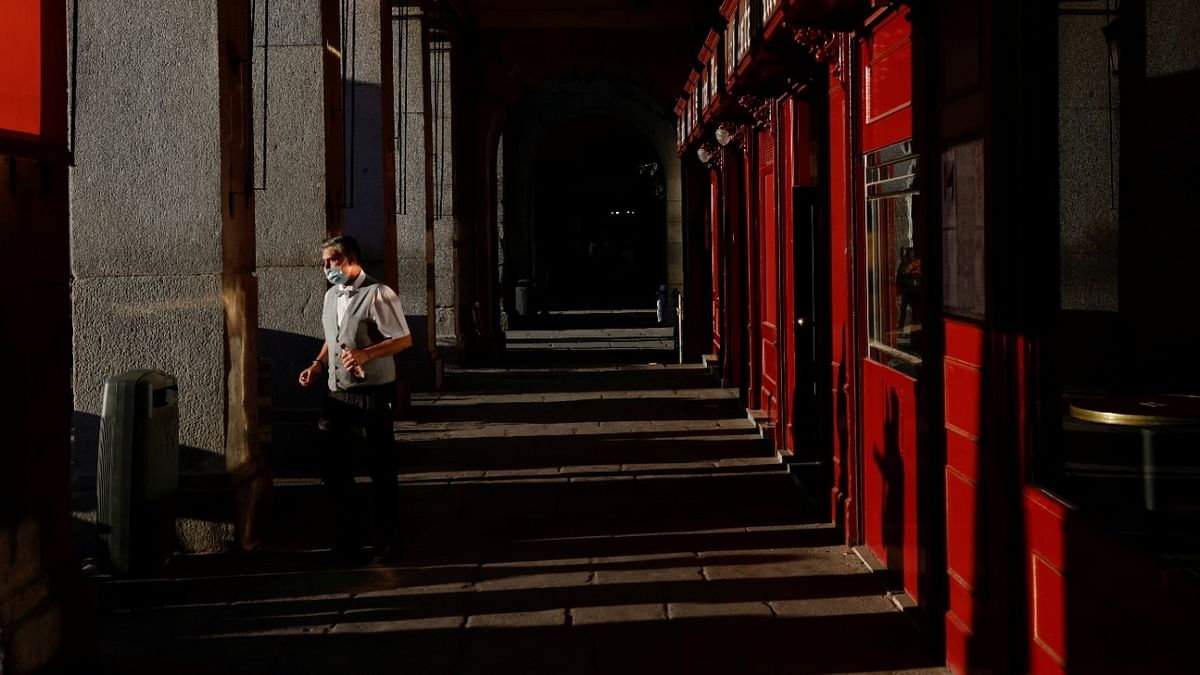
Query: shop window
(714, 82)
(768, 8)
(731, 47)
(744, 27)
(893, 262)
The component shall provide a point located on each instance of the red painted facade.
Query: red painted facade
(890, 447)
(768, 280)
(963, 380)
(935, 418)
(843, 381)
(33, 99)
(21, 68)
(716, 232)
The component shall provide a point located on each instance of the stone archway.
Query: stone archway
(538, 125)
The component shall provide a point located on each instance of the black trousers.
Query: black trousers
(356, 429)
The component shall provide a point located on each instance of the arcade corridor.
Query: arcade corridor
(922, 274)
(582, 511)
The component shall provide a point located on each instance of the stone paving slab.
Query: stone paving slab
(618, 614)
(647, 569)
(604, 519)
(677, 611)
(541, 575)
(543, 618)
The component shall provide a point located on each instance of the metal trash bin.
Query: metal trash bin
(523, 297)
(137, 472)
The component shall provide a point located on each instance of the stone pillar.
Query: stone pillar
(162, 215)
(1088, 105)
(665, 143)
(249, 474)
(446, 257)
(365, 132)
(501, 216)
(413, 246)
(297, 201)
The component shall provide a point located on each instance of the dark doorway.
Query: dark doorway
(599, 217)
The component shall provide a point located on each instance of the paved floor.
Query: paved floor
(611, 517)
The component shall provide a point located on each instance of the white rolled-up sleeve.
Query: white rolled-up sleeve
(388, 313)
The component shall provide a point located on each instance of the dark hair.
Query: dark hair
(344, 244)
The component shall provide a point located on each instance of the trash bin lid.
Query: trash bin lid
(155, 378)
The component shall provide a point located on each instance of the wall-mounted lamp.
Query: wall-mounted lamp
(1112, 35)
(727, 132)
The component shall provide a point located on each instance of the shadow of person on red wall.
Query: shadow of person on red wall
(891, 467)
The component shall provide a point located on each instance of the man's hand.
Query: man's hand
(309, 374)
(354, 358)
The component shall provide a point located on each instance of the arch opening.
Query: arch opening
(598, 217)
(587, 203)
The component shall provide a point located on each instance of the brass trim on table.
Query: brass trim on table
(1129, 419)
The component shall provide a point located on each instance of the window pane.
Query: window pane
(894, 297)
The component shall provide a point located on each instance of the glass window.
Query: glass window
(713, 80)
(893, 261)
(768, 8)
(731, 49)
(743, 28)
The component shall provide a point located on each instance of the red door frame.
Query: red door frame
(843, 335)
(717, 253)
(769, 276)
(733, 317)
(752, 284)
(802, 430)
(789, 139)
(891, 456)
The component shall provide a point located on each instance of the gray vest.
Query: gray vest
(357, 331)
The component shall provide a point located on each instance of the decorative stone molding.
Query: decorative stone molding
(760, 109)
(825, 47)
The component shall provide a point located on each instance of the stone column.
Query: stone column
(297, 201)
(162, 215)
(413, 191)
(365, 133)
(665, 143)
(446, 257)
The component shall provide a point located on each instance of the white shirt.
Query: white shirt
(385, 310)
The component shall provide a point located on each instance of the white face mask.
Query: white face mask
(335, 275)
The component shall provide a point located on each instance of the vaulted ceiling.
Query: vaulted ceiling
(524, 43)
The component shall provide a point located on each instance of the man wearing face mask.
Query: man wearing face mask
(364, 326)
